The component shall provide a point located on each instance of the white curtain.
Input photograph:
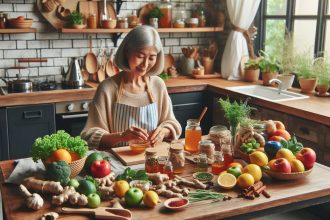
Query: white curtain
(241, 14)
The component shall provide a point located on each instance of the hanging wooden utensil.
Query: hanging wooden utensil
(168, 60)
(90, 59)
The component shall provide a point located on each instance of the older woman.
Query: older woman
(134, 104)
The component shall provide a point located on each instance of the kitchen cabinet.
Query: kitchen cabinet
(21, 125)
(189, 105)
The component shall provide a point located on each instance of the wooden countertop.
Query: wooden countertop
(315, 108)
(285, 196)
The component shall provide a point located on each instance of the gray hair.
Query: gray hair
(141, 37)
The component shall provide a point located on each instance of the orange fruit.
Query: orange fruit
(254, 170)
(227, 180)
(235, 164)
(259, 158)
(245, 180)
(74, 156)
(61, 154)
(283, 133)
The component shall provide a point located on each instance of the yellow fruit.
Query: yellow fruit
(254, 170)
(227, 180)
(297, 166)
(271, 162)
(150, 199)
(121, 188)
(259, 158)
(285, 153)
(245, 180)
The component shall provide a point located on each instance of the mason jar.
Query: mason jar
(165, 7)
(176, 156)
(193, 135)
(151, 160)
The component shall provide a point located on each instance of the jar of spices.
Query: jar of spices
(122, 22)
(202, 165)
(193, 135)
(192, 22)
(176, 156)
(219, 135)
(3, 20)
(227, 154)
(92, 21)
(207, 147)
(151, 161)
(201, 19)
(168, 169)
(133, 19)
(218, 163)
(153, 22)
(162, 160)
(165, 7)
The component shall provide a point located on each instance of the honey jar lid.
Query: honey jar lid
(176, 147)
(151, 151)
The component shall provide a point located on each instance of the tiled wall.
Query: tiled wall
(58, 48)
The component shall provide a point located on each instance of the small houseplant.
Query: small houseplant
(154, 13)
(76, 20)
(269, 68)
(322, 71)
(305, 73)
(251, 70)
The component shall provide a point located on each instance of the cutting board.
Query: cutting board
(125, 155)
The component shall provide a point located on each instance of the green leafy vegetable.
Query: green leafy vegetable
(293, 145)
(76, 18)
(130, 175)
(164, 76)
(202, 194)
(59, 172)
(43, 147)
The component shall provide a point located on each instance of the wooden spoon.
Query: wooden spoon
(169, 60)
(108, 65)
(102, 212)
(90, 59)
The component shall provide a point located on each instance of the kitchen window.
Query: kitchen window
(309, 20)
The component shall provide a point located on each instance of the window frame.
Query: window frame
(321, 19)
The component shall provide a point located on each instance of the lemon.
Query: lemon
(121, 187)
(150, 199)
(254, 170)
(259, 158)
(245, 180)
(227, 180)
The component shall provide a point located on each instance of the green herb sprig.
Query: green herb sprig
(202, 194)
(43, 147)
(130, 175)
(76, 18)
(293, 145)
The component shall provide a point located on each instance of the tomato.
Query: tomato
(100, 168)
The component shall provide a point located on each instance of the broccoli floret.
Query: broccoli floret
(58, 171)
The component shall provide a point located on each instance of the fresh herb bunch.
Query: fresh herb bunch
(293, 145)
(202, 194)
(154, 13)
(130, 175)
(252, 64)
(268, 63)
(43, 147)
(235, 112)
(164, 76)
(76, 18)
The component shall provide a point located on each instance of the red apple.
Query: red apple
(100, 168)
(307, 156)
(281, 165)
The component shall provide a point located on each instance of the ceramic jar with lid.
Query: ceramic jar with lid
(122, 22)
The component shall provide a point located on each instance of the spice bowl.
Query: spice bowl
(110, 23)
(203, 176)
(176, 203)
(138, 147)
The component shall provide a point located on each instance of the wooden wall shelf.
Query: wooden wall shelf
(17, 30)
(126, 30)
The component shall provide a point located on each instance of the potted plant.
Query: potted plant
(76, 20)
(251, 70)
(305, 72)
(269, 68)
(154, 16)
(322, 71)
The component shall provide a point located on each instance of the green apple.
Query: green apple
(133, 196)
(74, 183)
(94, 200)
(235, 170)
(86, 187)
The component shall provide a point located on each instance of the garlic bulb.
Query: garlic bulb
(33, 201)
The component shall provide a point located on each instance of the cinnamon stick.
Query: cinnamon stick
(266, 194)
(254, 187)
(259, 191)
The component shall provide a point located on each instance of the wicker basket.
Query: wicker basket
(75, 166)
(288, 176)
(240, 154)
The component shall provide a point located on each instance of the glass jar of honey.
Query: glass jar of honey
(122, 22)
(218, 163)
(176, 156)
(228, 156)
(151, 161)
(207, 147)
(193, 135)
(91, 21)
(165, 7)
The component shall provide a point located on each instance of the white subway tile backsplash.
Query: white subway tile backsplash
(27, 36)
(73, 36)
(188, 41)
(44, 36)
(44, 71)
(62, 43)
(6, 7)
(171, 42)
(60, 61)
(51, 53)
(74, 52)
(5, 63)
(23, 7)
(5, 45)
(21, 44)
(19, 54)
(37, 44)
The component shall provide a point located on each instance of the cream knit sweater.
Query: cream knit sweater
(99, 120)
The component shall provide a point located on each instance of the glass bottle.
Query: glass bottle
(179, 16)
(91, 21)
(207, 147)
(219, 135)
(122, 22)
(218, 163)
(133, 19)
(202, 165)
(3, 20)
(165, 7)
(168, 169)
(227, 154)
(201, 19)
(162, 160)
(193, 135)
(151, 161)
(176, 156)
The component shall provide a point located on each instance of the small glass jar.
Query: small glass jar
(193, 135)
(228, 156)
(153, 22)
(207, 147)
(122, 22)
(3, 20)
(92, 21)
(151, 161)
(133, 19)
(165, 7)
(176, 156)
(192, 22)
(219, 135)
(162, 160)
(218, 163)
(202, 165)
(168, 169)
(201, 19)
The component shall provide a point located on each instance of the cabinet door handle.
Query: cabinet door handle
(74, 116)
(304, 130)
(32, 114)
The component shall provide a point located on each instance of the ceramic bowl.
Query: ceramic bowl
(168, 202)
(288, 176)
(20, 23)
(110, 23)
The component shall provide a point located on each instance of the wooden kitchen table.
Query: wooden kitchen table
(285, 196)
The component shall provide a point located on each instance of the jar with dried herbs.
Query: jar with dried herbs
(151, 161)
(207, 147)
(176, 156)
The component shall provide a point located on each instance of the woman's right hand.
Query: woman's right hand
(135, 133)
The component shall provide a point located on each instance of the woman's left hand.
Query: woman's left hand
(157, 135)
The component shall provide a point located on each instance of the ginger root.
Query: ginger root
(168, 193)
(107, 180)
(70, 194)
(33, 201)
(194, 183)
(106, 191)
(34, 184)
(158, 178)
